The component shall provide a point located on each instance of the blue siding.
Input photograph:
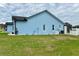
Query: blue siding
(9, 28)
(35, 24)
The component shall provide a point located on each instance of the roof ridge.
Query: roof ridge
(49, 13)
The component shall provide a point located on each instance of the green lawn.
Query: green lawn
(40, 45)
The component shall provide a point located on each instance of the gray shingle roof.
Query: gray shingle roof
(21, 18)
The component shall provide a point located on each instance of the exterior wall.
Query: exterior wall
(34, 25)
(9, 28)
(74, 31)
(65, 30)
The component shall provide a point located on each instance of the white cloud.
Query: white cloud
(66, 12)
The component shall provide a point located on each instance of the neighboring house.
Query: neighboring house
(67, 28)
(75, 30)
(2, 27)
(8, 27)
(71, 30)
(42, 23)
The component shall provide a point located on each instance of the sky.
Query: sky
(66, 12)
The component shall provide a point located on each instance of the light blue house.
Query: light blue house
(8, 27)
(42, 23)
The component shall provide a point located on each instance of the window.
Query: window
(44, 27)
(59, 26)
(52, 27)
(5, 28)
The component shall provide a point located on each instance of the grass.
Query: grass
(39, 45)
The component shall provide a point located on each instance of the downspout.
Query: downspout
(14, 26)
